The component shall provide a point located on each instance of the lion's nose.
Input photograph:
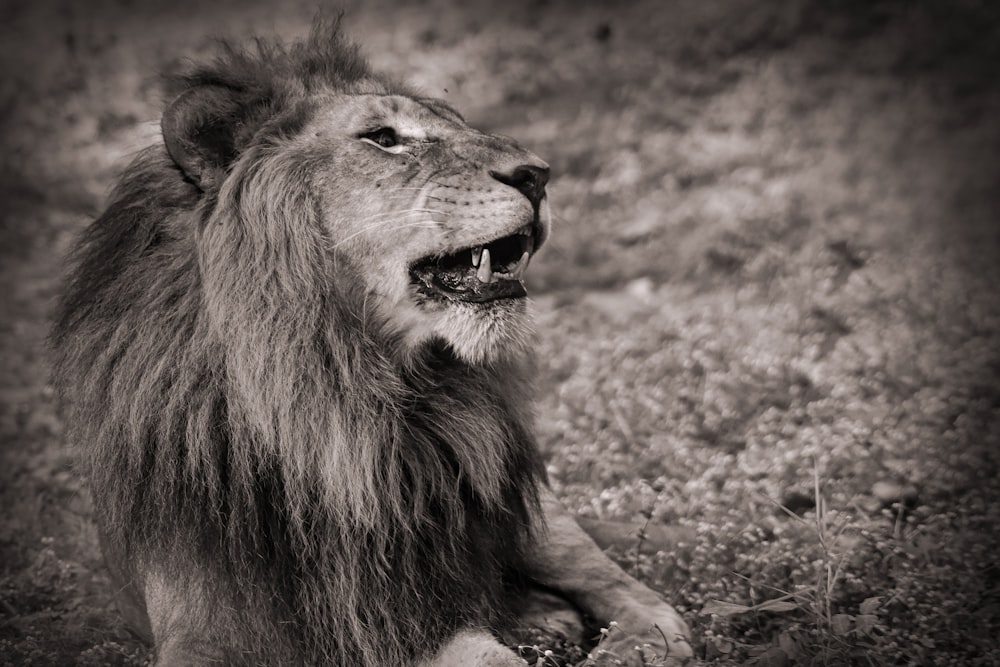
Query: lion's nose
(529, 179)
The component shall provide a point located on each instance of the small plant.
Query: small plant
(815, 630)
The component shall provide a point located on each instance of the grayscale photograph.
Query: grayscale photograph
(454, 333)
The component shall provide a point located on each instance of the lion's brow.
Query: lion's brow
(440, 108)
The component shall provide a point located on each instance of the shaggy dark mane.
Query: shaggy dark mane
(242, 416)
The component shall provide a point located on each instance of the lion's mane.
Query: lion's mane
(251, 431)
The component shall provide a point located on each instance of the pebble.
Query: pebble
(797, 502)
(888, 492)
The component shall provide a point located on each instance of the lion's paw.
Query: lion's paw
(663, 639)
(474, 648)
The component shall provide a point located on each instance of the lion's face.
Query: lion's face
(440, 219)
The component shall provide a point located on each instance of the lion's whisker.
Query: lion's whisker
(426, 224)
(386, 218)
(392, 215)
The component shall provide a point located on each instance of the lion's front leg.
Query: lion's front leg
(473, 648)
(182, 629)
(568, 561)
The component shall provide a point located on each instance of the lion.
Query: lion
(296, 353)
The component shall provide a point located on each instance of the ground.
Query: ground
(768, 316)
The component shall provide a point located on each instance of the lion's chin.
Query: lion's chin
(479, 333)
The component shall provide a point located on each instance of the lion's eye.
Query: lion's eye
(384, 138)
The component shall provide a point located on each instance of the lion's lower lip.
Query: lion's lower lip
(479, 273)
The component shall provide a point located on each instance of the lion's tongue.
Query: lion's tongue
(458, 280)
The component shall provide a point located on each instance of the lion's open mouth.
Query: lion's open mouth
(479, 273)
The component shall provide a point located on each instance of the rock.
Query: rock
(797, 502)
(889, 493)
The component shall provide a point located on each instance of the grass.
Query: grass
(768, 315)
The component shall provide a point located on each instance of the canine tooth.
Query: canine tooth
(522, 264)
(485, 272)
(476, 254)
(527, 243)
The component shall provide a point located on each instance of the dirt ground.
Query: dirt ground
(769, 314)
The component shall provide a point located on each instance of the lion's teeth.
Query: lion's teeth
(522, 265)
(485, 272)
(476, 253)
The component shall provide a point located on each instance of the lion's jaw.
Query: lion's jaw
(450, 221)
(478, 334)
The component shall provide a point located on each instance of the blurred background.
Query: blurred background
(768, 320)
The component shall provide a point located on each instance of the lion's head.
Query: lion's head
(439, 219)
(293, 346)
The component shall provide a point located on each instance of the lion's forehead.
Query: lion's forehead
(417, 119)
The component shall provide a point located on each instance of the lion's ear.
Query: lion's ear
(199, 130)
